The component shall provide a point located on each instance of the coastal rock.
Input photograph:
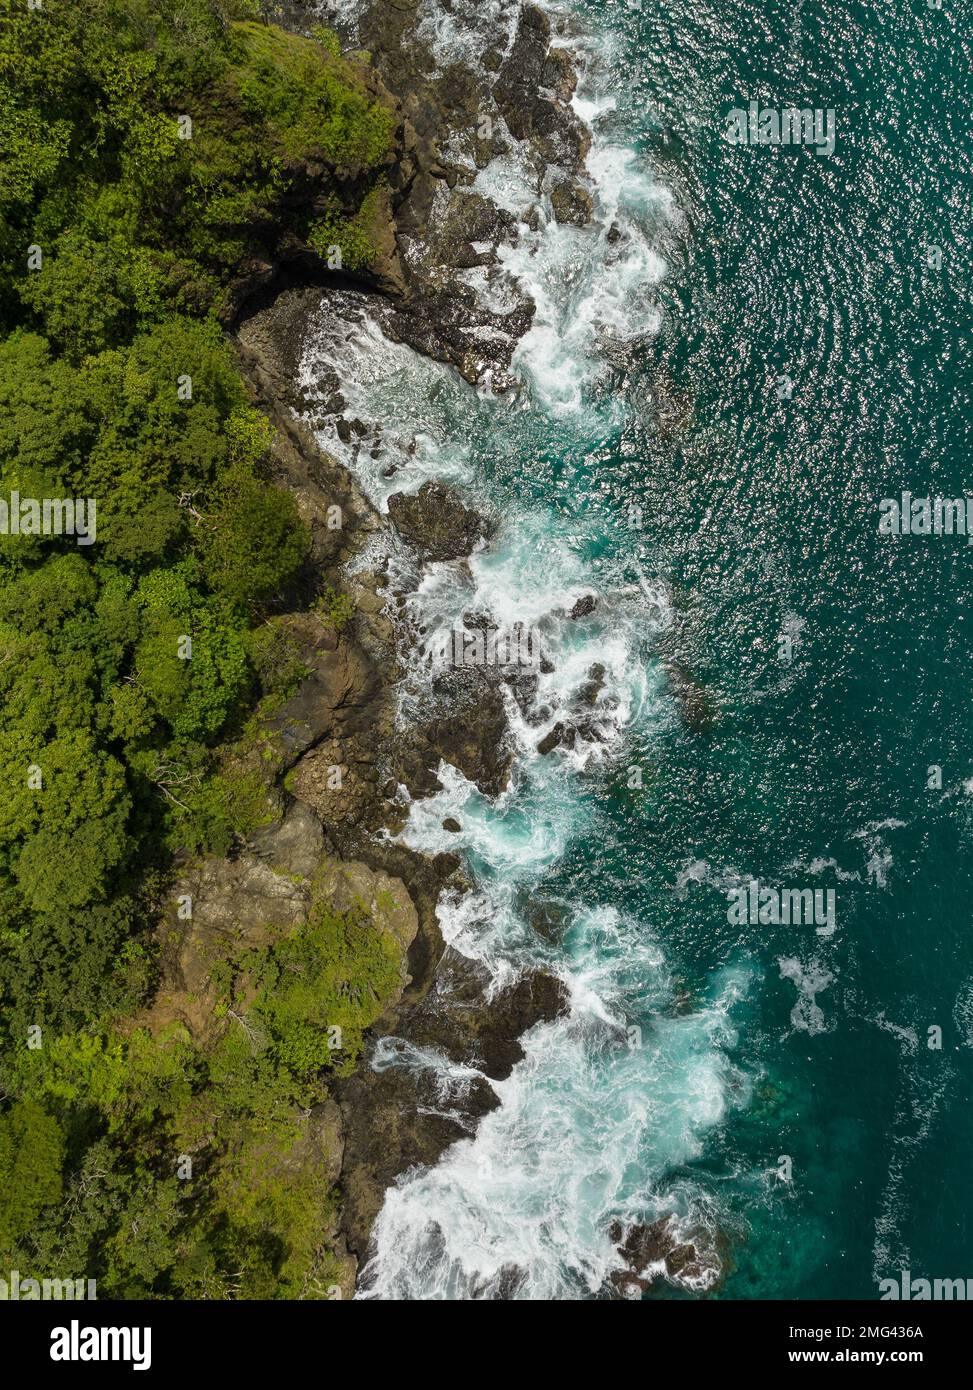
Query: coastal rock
(585, 605)
(340, 685)
(268, 348)
(662, 1251)
(250, 900)
(471, 222)
(571, 203)
(593, 686)
(396, 1116)
(470, 729)
(353, 886)
(436, 522)
(527, 102)
(434, 286)
(293, 845)
(241, 899)
(560, 736)
(559, 74)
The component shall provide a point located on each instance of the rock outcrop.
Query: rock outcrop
(453, 118)
(430, 1083)
(663, 1252)
(435, 522)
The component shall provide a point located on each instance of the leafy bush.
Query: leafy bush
(353, 237)
(336, 608)
(336, 973)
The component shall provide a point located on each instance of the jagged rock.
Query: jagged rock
(571, 203)
(519, 92)
(469, 729)
(339, 780)
(585, 605)
(589, 692)
(472, 220)
(561, 736)
(662, 1251)
(341, 682)
(436, 522)
(294, 845)
(502, 1287)
(395, 1117)
(559, 74)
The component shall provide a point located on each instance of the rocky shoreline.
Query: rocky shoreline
(383, 1120)
(453, 119)
(343, 715)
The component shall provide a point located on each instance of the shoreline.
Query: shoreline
(443, 1002)
(426, 1078)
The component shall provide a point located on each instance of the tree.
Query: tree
(254, 540)
(31, 1157)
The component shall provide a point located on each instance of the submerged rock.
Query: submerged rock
(696, 704)
(661, 1251)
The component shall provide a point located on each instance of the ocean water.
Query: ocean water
(746, 351)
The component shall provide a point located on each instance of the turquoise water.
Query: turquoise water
(817, 267)
(711, 408)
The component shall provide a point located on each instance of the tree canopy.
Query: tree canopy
(147, 153)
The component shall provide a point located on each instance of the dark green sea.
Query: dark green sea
(822, 268)
(714, 403)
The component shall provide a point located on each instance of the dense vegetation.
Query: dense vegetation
(148, 155)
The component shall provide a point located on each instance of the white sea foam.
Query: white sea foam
(415, 408)
(611, 1098)
(585, 1126)
(809, 979)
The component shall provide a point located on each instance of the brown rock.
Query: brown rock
(436, 522)
(571, 203)
(585, 605)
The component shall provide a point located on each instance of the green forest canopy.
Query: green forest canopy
(120, 240)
